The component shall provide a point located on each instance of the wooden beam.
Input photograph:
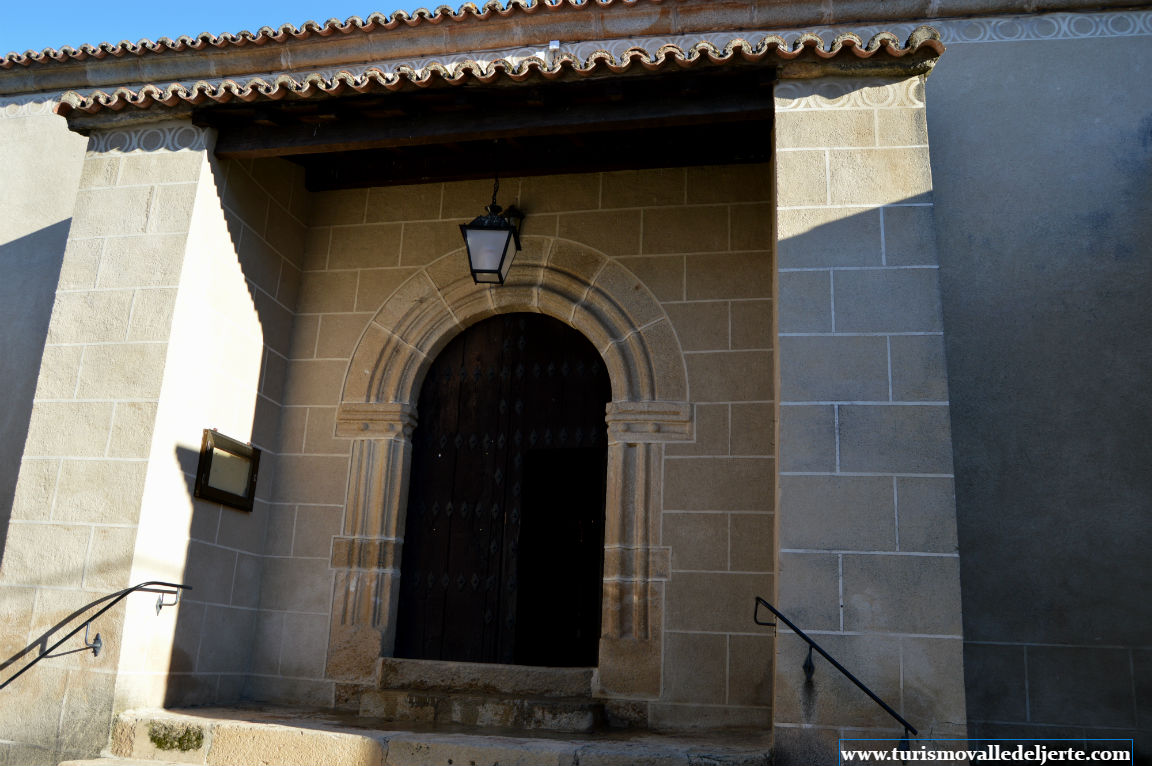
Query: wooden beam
(472, 113)
(668, 146)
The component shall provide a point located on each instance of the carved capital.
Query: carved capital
(380, 553)
(375, 421)
(649, 422)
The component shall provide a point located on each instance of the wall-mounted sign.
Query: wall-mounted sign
(227, 471)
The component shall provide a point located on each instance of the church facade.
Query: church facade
(844, 310)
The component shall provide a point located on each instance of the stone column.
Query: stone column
(868, 559)
(636, 568)
(80, 497)
(366, 556)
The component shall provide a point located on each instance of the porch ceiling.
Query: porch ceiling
(474, 131)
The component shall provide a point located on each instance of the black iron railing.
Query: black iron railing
(809, 668)
(96, 644)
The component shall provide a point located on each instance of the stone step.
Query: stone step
(264, 736)
(572, 714)
(482, 678)
(114, 761)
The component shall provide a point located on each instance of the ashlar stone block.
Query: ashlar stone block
(643, 188)
(45, 554)
(801, 177)
(695, 668)
(90, 317)
(34, 489)
(751, 542)
(895, 439)
(59, 367)
(612, 232)
(375, 285)
(663, 275)
(880, 176)
(109, 561)
(829, 237)
(554, 193)
(837, 513)
(424, 242)
(927, 511)
(805, 302)
(694, 229)
(151, 314)
(347, 206)
(906, 594)
(753, 429)
(719, 484)
(714, 602)
(810, 588)
(910, 235)
(111, 212)
(416, 202)
(699, 541)
(751, 660)
(887, 301)
(326, 292)
(752, 324)
(729, 275)
(918, 370)
(813, 129)
(729, 183)
(808, 438)
(122, 371)
(373, 245)
(730, 376)
(100, 491)
(74, 429)
(831, 699)
(830, 368)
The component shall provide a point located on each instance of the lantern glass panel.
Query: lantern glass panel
(486, 248)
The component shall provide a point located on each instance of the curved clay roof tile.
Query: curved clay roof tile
(923, 40)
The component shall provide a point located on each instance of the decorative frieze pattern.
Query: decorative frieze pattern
(1019, 28)
(172, 137)
(28, 106)
(849, 93)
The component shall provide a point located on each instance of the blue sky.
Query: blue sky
(26, 24)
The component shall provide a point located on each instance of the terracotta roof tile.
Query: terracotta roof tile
(922, 46)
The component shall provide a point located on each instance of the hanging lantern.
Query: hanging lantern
(493, 241)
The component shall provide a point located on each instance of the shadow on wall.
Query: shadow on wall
(29, 274)
(216, 628)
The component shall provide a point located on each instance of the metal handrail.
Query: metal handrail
(809, 668)
(152, 586)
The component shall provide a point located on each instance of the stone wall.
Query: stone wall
(234, 322)
(153, 336)
(868, 559)
(697, 244)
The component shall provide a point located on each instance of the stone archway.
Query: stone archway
(623, 320)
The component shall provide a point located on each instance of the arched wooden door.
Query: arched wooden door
(504, 539)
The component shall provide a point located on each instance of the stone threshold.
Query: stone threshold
(483, 678)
